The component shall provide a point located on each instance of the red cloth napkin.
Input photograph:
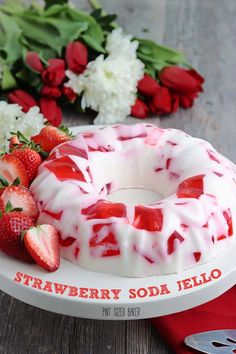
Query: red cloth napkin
(216, 314)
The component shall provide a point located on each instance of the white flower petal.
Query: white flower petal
(109, 85)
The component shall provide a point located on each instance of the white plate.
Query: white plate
(108, 297)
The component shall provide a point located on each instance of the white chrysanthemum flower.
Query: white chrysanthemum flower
(109, 85)
(119, 44)
(31, 123)
(9, 114)
(13, 119)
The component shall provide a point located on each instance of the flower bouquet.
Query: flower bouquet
(57, 55)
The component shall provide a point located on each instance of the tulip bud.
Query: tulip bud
(51, 91)
(54, 74)
(50, 110)
(161, 102)
(181, 80)
(148, 86)
(33, 61)
(76, 57)
(139, 109)
(22, 98)
(69, 93)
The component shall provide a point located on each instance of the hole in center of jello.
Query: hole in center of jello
(133, 196)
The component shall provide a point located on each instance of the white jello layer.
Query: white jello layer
(190, 225)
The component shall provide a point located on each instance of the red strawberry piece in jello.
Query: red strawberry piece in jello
(65, 168)
(149, 219)
(68, 149)
(104, 210)
(19, 197)
(172, 242)
(42, 242)
(192, 187)
(106, 241)
(228, 217)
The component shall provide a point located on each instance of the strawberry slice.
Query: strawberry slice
(30, 159)
(12, 224)
(12, 168)
(42, 242)
(19, 197)
(192, 187)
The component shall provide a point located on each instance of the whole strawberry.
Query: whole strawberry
(12, 225)
(49, 137)
(30, 159)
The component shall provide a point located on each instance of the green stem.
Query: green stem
(95, 4)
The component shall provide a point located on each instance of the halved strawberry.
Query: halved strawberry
(20, 197)
(12, 168)
(30, 159)
(50, 136)
(12, 224)
(42, 242)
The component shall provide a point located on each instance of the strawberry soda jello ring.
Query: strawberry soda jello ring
(190, 223)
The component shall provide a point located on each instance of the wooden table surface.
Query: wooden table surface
(206, 31)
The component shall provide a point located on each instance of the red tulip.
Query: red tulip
(139, 109)
(186, 101)
(33, 61)
(69, 93)
(148, 86)
(175, 103)
(51, 91)
(25, 100)
(54, 74)
(181, 80)
(76, 57)
(161, 102)
(51, 110)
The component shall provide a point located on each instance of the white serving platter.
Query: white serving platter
(77, 292)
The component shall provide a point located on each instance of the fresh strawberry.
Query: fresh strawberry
(12, 224)
(30, 159)
(11, 169)
(19, 197)
(42, 242)
(50, 136)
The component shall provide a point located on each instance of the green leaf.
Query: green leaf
(94, 35)
(4, 182)
(10, 32)
(153, 52)
(53, 33)
(8, 207)
(16, 182)
(8, 80)
(49, 3)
